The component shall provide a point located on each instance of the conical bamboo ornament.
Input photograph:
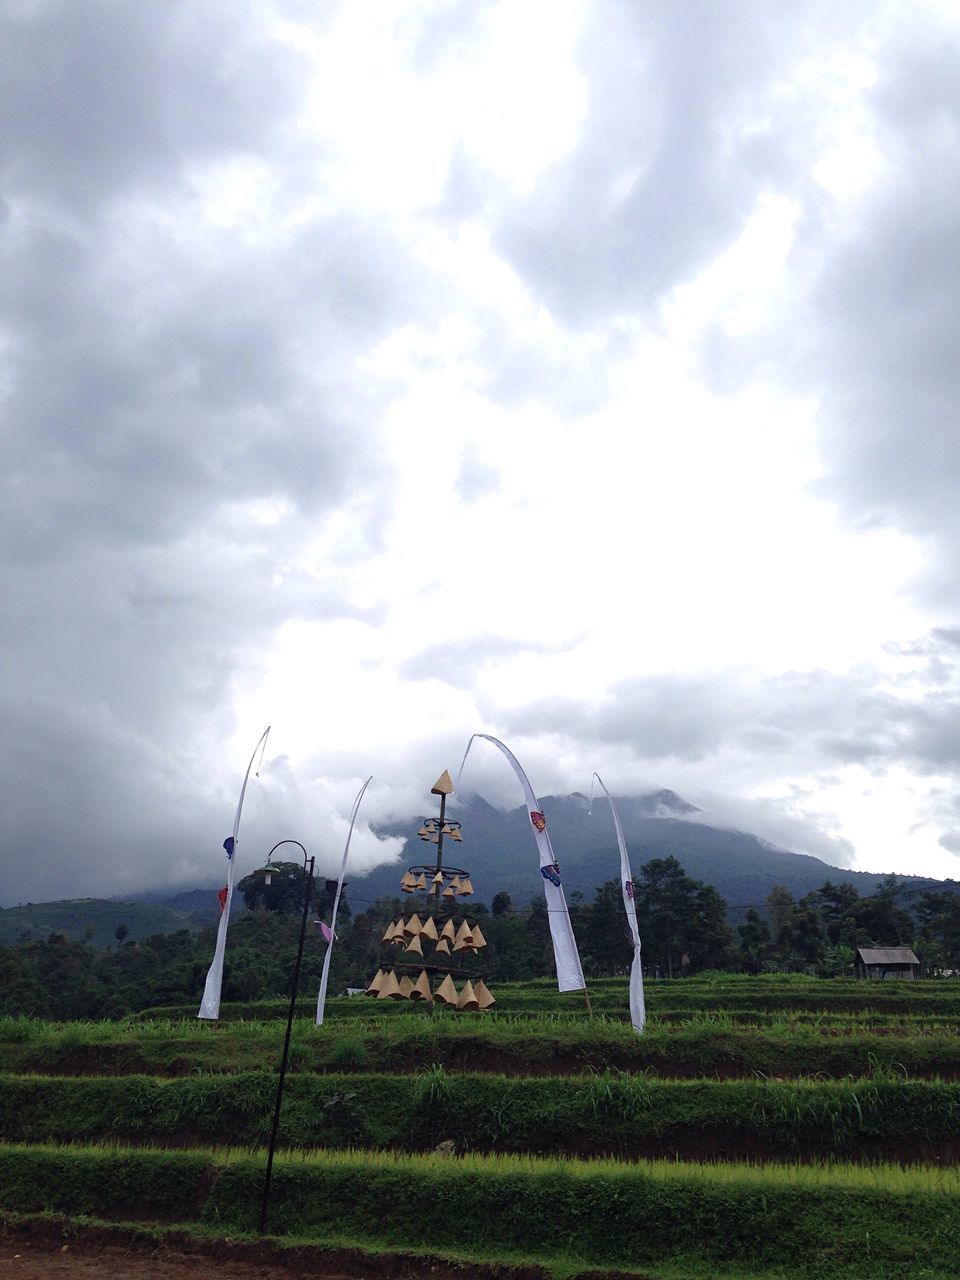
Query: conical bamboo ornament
(415, 945)
(466, 886)
(443, 785)
(446, 993)
(455, 834)
(388, 935)
(397, 937)
(464, 936)
(467, 998)
(478, 939)
(423, 833)
(421, 881)
(455, 884)
(482, 992)
(406, 986)
(421, 988)
(429, 929)
(438, 878)
(408, 882)
(442, 947)
(406, 888)
(449, 892)
(375, 983)
(389, 986)
(448, 931)
(412, 926)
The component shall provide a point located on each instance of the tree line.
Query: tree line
(683, 924)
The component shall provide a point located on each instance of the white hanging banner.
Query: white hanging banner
(569, 969)
(332, 930)
(638, 1013)
(210, 1004)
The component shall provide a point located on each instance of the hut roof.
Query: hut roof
(887, 955)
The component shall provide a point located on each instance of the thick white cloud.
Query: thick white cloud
(577, 369)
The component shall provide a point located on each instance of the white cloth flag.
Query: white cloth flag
(638, 1013)
(322, 996)
(210, 1004)
(569, 970)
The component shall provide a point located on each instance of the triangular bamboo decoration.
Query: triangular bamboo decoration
(412, 926)
(448, 931)
(442, 947)
(482, 992)
(455, 884)
(429, 929)
(443, 785)
(406, 888)
(449, 892)
(466, 886)
(406, 986)
(446, 993)
(421, 881)
(455, 834)
(388, 935)
(423, 833)
(467, 998)
(464, 935)
(478, 939)
(389, 986)
(438, 878)
(421, 988)
(415, 945)
(376, 982)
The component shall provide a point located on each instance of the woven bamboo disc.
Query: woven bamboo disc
(446, 993)
(482, 992)
(467, 998)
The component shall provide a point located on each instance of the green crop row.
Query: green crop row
(669, 999)
(822, 1223)
(609, 1114)
(694, 1049)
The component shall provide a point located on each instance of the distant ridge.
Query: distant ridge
(499, 851)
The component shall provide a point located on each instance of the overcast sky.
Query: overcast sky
(583, 372)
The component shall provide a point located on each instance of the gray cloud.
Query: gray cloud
(182, 411)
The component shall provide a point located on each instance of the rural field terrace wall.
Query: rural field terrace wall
(601, 1213)
(594, 1115)
(414, 1043)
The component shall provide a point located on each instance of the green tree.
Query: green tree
(682, 920)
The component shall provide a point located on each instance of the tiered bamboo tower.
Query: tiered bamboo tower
(444, 940)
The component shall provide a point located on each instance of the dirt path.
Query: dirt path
(30, 1261)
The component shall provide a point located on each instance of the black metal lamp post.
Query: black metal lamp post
(308, 864)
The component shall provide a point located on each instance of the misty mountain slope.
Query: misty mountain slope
(499, 851)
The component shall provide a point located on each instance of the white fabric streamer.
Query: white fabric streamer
(569, 969)
(322, 996)
(638, 1013)
(210, 1004)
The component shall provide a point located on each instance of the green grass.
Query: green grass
(801, 1221)
(709, 1045)
(610, 1113)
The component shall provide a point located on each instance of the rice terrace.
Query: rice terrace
(747, 1125)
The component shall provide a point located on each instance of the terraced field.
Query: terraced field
(759, 1128)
